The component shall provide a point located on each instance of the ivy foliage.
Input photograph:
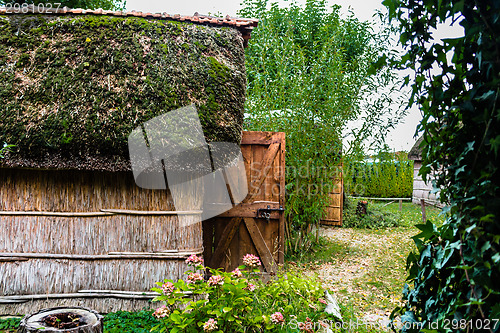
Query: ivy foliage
(455, 274)
(309, 69)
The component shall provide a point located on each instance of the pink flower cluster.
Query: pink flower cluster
(161, 312)
(277, 318)
(250, 287)
(215, 280)
(251, 260)
(194, 277)
(167, 288)
(194, 260)
(237, 273)
(210, 325)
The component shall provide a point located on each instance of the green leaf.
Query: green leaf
(495, 144)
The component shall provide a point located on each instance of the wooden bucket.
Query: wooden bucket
(91, 239)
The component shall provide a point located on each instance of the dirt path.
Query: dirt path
(366, 269)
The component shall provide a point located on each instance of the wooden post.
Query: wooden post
(422, 205)
(62, 319)
(400, 205)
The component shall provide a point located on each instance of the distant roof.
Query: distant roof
(244, 25)
(415, 151)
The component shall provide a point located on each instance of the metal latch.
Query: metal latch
(265, 213)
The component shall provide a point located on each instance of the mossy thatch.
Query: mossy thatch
(416, 151)
(74, 87)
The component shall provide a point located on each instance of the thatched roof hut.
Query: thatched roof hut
(415, 152)
(75, 83)
(74, 227)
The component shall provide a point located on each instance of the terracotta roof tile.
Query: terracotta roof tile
(245, 25)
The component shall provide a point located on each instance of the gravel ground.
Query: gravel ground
(368, 271)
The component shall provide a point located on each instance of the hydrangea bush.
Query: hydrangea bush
(236, 301)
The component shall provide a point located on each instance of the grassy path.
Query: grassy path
(365, 268)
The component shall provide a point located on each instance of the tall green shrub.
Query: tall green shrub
(308, 71)
(389, 176)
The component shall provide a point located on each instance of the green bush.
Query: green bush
(9, 323)
(129, 322)
(389, 176)
(238, 301)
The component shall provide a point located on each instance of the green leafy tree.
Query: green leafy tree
(453, 278)
(85, 4)
(309, 70)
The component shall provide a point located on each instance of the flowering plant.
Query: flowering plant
(219, 304)
(235, 301)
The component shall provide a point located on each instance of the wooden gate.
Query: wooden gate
(333, 210)
(257, 225)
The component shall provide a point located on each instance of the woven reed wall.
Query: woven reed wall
(51, 255)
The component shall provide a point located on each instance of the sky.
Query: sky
(401, 138)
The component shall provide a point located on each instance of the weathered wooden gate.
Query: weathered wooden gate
(257, 225)
(334, 209)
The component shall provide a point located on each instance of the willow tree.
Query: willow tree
(453, 278)
(311, 72)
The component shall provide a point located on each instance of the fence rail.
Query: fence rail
(385, 199)
(382, 199)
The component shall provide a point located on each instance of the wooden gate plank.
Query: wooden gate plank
(223, 244)
(264, 158)
(260, 245)
(250, 209)
(265, 168)
(281, 230)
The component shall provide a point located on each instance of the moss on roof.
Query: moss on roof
(74, 87)
(416, 151)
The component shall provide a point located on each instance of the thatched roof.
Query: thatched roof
(416, 151)
(74, 84)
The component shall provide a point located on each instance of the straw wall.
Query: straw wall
(112, 236)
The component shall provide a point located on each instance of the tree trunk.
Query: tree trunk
(62, 319)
